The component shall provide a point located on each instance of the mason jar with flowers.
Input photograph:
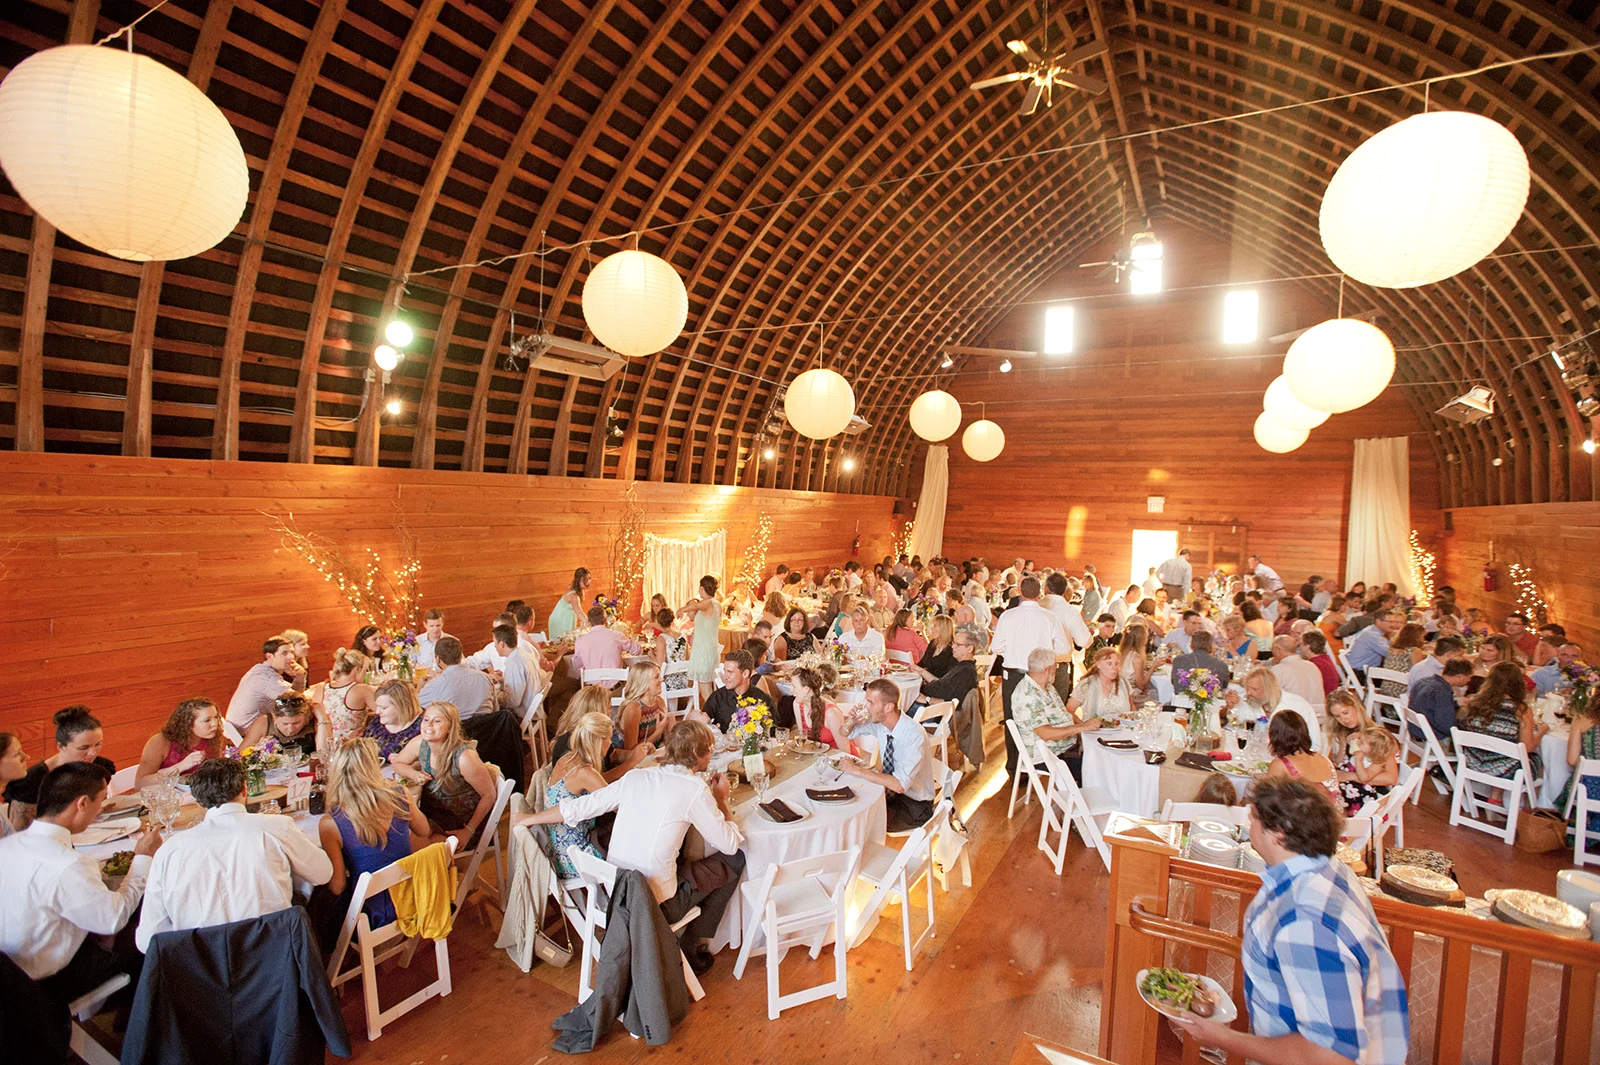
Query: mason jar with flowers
(256, 760)
(1203, 688)
(752, 720)
(1580, 680)
(401, 648)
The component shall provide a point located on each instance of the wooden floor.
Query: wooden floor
(1021, 951)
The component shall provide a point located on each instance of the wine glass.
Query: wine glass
(760, 781)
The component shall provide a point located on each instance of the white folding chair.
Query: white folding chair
(533, 730)
(894, 874)
(1389, 811)
(1358, 831)
(1348, 672)
(123, 780)
(1579, 798)
(935, 719)
(1430, 752)
(538, 637)
(1466, 801)
(488, 843)
(231, 731)
(899, 656)
(1205, 811)
(1386, 710)
(599, 878)
(799, 903)
(377, 945)
(1027, 766)
(85, 1007)
(689, 697)
(608, 678)
(1067, 806)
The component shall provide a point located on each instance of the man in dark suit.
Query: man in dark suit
(1200, 657)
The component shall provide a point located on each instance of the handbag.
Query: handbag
(1541, 831)
(947, 848)
(549, 951)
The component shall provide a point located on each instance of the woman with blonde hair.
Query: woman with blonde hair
(938, 657)
(371, 823)
(1347, 715)
(643, 716)
(577, 772)
(300, 668)
(397, 720)
(596, 699)
(1133, 658)
(773, 610)
(458, 789)
(192, 734)
(345, 698)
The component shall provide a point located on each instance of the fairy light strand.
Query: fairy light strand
(1423, 566)
(1530, 601)
(755, 557)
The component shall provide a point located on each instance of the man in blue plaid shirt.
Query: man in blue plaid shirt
(1321, 983)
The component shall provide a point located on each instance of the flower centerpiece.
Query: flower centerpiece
(257, 760)
(752, 720)
(610, 604)
(1202, 687)
(924, 611)
(400, 647)
(1582, 680)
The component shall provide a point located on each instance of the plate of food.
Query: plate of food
(1184, 996)
(105, 832)
(802, 745)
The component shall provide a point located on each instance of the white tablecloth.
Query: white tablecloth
(828, 827)
(1133, 785)
(909, 684)
(1553, 750)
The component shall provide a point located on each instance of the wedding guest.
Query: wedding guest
(293, 723)
(1445, 648)
(458, 789)
(1217, 790)
(13, 766)
(1264, 697)
(78, 739)
(1236, 642)
(773, 609)
(1314, 649)
(346, 698)
(815, 712)
(520, 681)
(1522, 638)
(1372, 769)
(428, 639)
(1500, 708)
(192, 734)
(1055, 600)
(467, 689)
(669, 648)
(1133, 658)
(1038, 708)
(775, 582)
(1176, 575)
(900, 636)
(567, 612)
(1405, 651)
(1183, 633)
(54, 907)
(300, 668)
(796, 638)
(906, 772)
(579, 771)
(1200, 657)
(1125, 604)
(1551, 676)
(959, 679)
(489, 658)
(261, 684)
(1295, 675)
(369, 642)
(371, 823)
(1582, 742)
(1331, 620)
(1266, 577)
(398, 718)
(618, 757)
(705, 615)
(937, 657)
(738, 673)
(1289, 741)
(643, 716)
(1370, 647)
(861, 640)
(1438, 698)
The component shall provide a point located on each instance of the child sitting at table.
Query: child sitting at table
(1217, 790)
(1374, 768)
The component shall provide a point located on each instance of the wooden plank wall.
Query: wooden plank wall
(1152, 403)
(1560, 541)
(129, 584)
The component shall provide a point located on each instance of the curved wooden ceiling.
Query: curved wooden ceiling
(799, 163)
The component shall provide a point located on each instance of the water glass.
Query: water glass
(271, 807)
(760, 782)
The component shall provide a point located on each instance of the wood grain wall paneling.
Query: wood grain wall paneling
(129, 584)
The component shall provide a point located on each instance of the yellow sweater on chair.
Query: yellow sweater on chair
(422, 903)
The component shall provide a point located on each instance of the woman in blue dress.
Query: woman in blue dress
(371, 823)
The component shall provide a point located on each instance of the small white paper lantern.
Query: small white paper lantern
(121, 153)
(635, 302)
(1339, 365)
(935, 415)
(1284, 408)
(983, 440)
(1276, 437)
(1424, 199)
(819, 403)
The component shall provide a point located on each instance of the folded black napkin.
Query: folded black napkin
(780, 811)
(830, 795)
(1119, 745)
(1193, 760)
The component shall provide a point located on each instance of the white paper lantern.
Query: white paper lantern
(1285, 409)
(635, 302)
(935, 415)
(1424, 199)
(1339, 365)
(1274, 436)
(121, 152)
(819, 404)
(983, 440)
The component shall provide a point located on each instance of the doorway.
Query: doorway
(1151, 547)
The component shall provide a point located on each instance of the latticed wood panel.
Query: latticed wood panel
(820, 176)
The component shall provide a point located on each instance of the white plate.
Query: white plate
(105, 832)
(1223, 1014)
(796, 807)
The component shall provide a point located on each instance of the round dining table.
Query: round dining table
(1135, 786)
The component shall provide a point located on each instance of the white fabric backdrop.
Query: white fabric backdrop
(674, 567)
(927, 536)
(1379, 545)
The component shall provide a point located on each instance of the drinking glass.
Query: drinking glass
(780, 736)
(271, 807)
(819, 765)
(760, 781)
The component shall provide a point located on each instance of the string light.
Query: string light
(628, 550)
(386, 599)
(1423, 564)
(905, 538)
(755, 556)
(1530, 601)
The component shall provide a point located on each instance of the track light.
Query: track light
(398, 333)
(393, 406)
(946, 362)
(1588, 406)
(1005, 366)
(1588, 446)
(386, 357)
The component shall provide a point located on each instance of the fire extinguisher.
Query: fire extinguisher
(855, 545)
(1491, 580)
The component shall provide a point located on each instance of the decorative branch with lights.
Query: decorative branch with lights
(904, 546)
(627, 550)
(1529, 600)
(1423, 565)
(386, 599)
(755, 556)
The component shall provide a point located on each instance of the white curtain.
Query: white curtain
(674, 567)
(1379, 545)
(927, 536)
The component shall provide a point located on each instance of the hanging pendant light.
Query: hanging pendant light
(983, 440)
(1339, 365)
(1424, 199)
(1276, 437)
(121, 153)
(1281, 404)
(819, 403)
(635, 303)
(935, 415)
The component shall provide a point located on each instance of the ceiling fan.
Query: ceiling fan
(1045, 74)
(1121, 260)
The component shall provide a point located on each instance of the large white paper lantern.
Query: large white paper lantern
(819, 404)
(1284, 408)
(121, 153)
(1424, 199)
(635, 302)
(983, 440)
(935, 415)
(1276, 437)
(1339, 365)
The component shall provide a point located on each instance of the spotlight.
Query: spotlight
(1588, 445)
(386, 357)
(1005, 366)
(1589, 406)
(393, 406)
(1555, 354)
(1497, 461)
(849, 464)
(946, 362)
(769, 454)
(398, 333)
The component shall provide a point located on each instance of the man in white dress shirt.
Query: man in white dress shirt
(1123, 605)
(1018, 631)
(861, 639)
(655, 807)
(1175, 575)
(1266, 577)
(52, 901)
(432, 633)
(1072, 623)
(233, 866)
(519, 681)
(1152, 583)
(907, 771)
(1264, 696)
(1296, 676)
(775, 582)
